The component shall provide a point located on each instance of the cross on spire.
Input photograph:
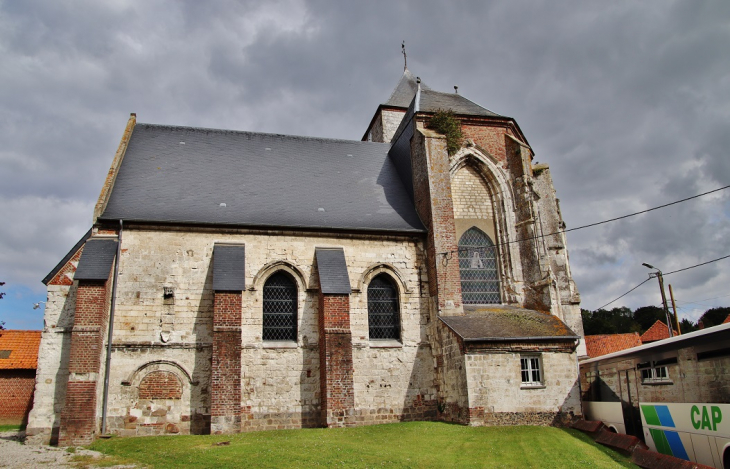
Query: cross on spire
(405, 58)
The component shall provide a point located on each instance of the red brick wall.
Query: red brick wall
(78, 418)
(335, 358)
(226, 372)
(16, 389)
(68, 268)
(160, 385)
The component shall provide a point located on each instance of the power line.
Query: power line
(697, 265)
(699, 302)
(665, 274)
(598, 223)
(637, 286)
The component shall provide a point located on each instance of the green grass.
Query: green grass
(414, 444)
(11, 428)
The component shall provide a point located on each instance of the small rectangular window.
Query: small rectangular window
(654, 373)
(531, 371)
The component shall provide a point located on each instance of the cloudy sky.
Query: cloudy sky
(628, 102)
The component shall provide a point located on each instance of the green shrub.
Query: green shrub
(444, 122)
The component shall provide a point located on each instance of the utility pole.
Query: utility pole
(658, 275)
(674, 307)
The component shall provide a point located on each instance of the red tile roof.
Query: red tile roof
(657, 331)
(19, 349)
(603, 344)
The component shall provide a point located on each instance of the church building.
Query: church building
(236, 281)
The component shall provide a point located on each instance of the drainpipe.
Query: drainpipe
(105, 401)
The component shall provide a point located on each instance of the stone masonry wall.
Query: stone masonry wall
(497, 396)
(279, 381)
(471, 196)
(52, 372)
(453, 397)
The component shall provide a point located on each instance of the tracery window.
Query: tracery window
(478, 268)
(280, 308)
(383, 308)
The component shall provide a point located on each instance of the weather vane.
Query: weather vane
(405, 58)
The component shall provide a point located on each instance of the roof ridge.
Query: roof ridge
(248, 132)
(467, 99)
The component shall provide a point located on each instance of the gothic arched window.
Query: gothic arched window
(280, 308)
(478, 268)
(383, 309)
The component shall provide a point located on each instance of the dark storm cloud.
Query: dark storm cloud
(627, 101)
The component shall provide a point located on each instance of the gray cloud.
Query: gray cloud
(626, 101)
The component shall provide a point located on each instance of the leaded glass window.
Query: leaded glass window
(280, 308)
(478, 268)
(383, 309)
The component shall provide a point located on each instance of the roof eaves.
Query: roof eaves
(395, 231)
(519, 339)
(66, 258)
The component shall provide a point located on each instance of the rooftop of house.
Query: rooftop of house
(597, 345)
(657, 331)
(502, 322)
(186, 175)
(19, 349)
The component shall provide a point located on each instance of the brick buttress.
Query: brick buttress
(335, 358)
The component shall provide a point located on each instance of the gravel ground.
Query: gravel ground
(15, 454)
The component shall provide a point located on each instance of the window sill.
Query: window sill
(649, 382)
(385, 343)
(280, 344)
(532, 386)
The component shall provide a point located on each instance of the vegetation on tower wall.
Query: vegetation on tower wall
(444, 122)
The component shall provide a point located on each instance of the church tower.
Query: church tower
(499, 277)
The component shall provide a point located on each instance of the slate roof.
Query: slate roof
(507, 323)
(96, 260)
(332, 270)
(431, 100)
(657, 331)
(602, 344)
(185, 175)
(229, 267)
(19, 349)
(405, 90)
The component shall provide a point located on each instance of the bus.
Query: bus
(674, 394)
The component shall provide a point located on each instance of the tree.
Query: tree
(646, 316)
(615, 321)
(714, 316)
(686, 326)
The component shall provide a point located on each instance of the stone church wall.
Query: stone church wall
(497, 396)
(155, 332)
(52, 372)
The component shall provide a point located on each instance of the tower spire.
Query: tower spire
(405, 58)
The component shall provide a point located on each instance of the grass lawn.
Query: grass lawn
(414, 444)
(10, 428)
